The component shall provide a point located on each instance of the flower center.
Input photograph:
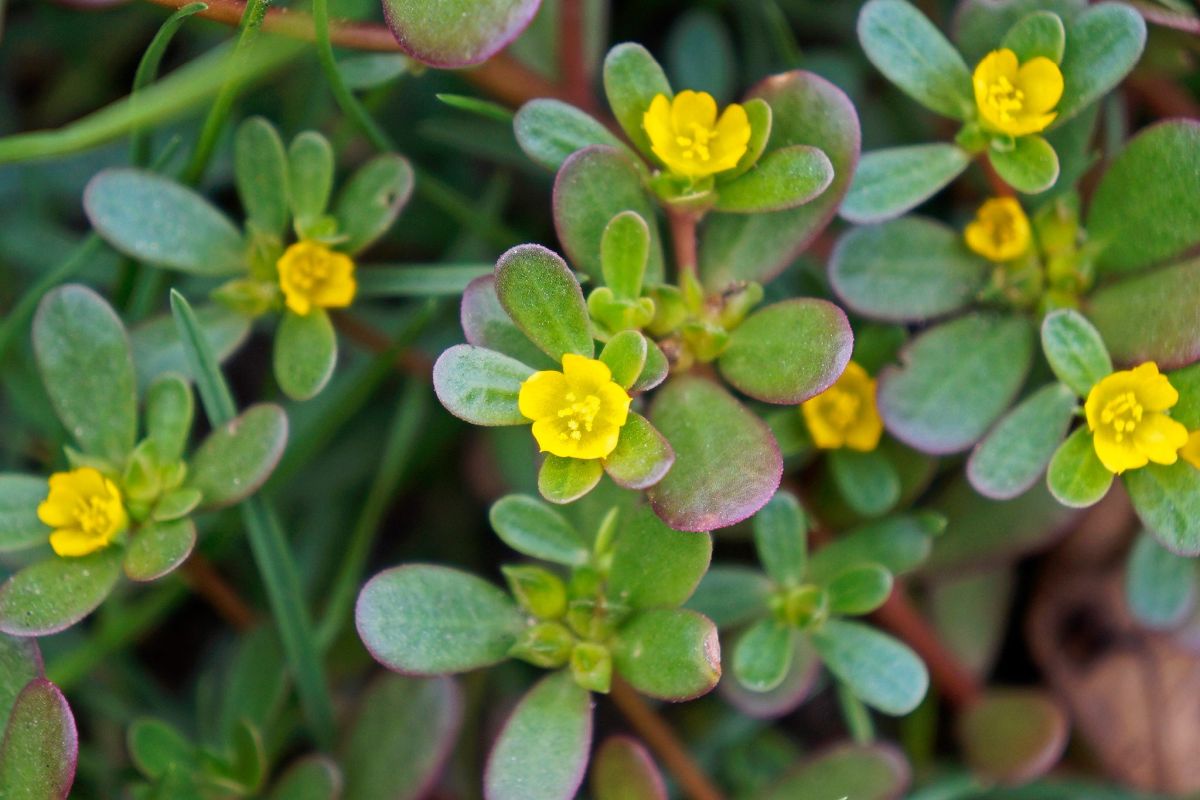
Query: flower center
(1003, 231)
(309, 269)
(841, 407)
(696, 145)
(93, 516)
(1004, 98)
(579, 415)
(1122, 413)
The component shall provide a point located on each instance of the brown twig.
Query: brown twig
(683, 239)
(408, 361)
(502, 76)
(955, 681)
(572, 63)
(199, 574)
(654, 730)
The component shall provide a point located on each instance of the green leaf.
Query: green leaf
(700, 54)
(20, 495)
(305, 353)
(457, 33)
(624, 249)
(763, 655)
(653, 565)
(371, 200)
(1151, 316)
(1038, 34)
(436, 280)
(668, 653)
(727, 465)
(1142, 210)
(153, 219)
(41, 745)
(892, 181)
(731, 595)
(542, 751)
(632, 79)
(238, 457)
(970, 610)
(371, 70)
(158, 548)
(789, 351)
(784, 178)
(623, 770)
(1016, 452)
(1030, 166)
(914, 55)
(1160, 586)
(906, 270)
(854, 772)
(1075, 350)
(625, 355)
(156, 747)
(535, 529)
(486, 324)
(1013, 735)
(877, 669)
(806, 110)
(84, 359)
(20, 662)
(1103, 44)
(955, 380)
(642, 455)
(169, 411)
(780, 539)
(758, 114)
(1167, 499)
(52, 595)
(654, 372)
(310, 177)
(593, 186)
(1187, 382)
(1076, 477)
(381, 758)
(980, 25)
(549, 131)
(564, 480)
(310, 778)
(867, 481)
(421, 619)
(157, 348)
(543, 298)
(480, 386)
(859, 590)
(260, 169)
(900, 543)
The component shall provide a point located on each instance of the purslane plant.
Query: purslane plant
(39, 742)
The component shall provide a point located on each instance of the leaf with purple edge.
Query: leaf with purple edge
(797, 685)
(653, 565)
(1013, 735)
(311, 778)
(654, 372)
(642, 457)
(457, 33)
(807, 110)
(544, 300)
(874, 772)
(881, 671)
(789, 351)
(422, 619)
(158, 548)
(20, 662)
(54, 594)
(564, 480)
(479, 385)
(41, 745)
(727, 465)
(593, 186)
(486, 324)
(238, 457)
(668, 653)
(783, 179)
(623, 770)
(1016, 452)
(542, 751)
(1152, 316)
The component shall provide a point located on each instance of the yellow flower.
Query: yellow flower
(1000, 230)
(1126, 414)
(687, 136)
(311, 274)
(1017, 100)
(1190, 452)
(845, 414)
(85, 509)
(576, 413)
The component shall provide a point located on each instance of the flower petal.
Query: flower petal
(542, 395)
(1117, 456)
(586, 375)
(1159, 438)
(692, 108)
(71, 542)
(1042, 82)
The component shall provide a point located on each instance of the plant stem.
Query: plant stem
(409, 362)
(200, 575)
(655, 731)
(683, 239)
(572, 62)
(956, 683)
(418, 280)
(341, 93)
(397, 452)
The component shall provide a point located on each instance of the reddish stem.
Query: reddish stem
(683, 238)
(572, 58)
(199, 573)
(955, 681)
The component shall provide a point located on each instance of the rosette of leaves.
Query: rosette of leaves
(84, 358)
(958, 377)
(285, 193)
(791, 615)
(605, 607)
(1094, 46)
(39, 744)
